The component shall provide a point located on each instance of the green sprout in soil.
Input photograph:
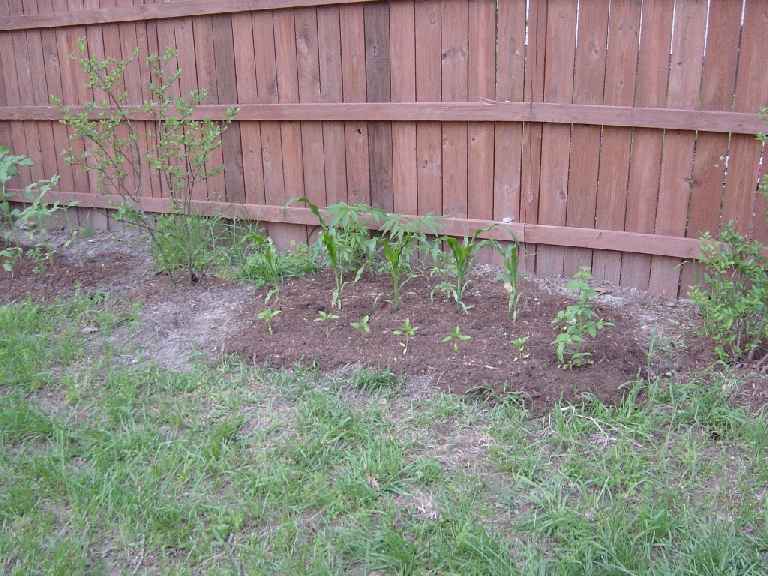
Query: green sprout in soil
(407, 331)
(266, 316)
(455, 337)
(362, 325)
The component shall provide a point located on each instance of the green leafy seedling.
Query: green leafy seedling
(455, 265)
(326, 318)
(407, 331)
(455, 338)
(519, 344)
(577, 322)
(267, 315)
(362, 325)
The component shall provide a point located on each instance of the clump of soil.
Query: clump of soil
(488, 362)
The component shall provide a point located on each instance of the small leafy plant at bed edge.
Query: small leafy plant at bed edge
(455, 338)
(407, 331)
(577, 322)
(733, 297)
(510, 277)
(267, 315)
(520, 346)
(326, 318)
(455, 265)
(362, 325)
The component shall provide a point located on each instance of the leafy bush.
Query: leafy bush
(733, 297)
(31, 217)
(264, 265)
(576, 322)
(110, 148)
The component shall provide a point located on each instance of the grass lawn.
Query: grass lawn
(115, 468)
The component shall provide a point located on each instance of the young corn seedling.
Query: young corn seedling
(455, 265)
(577, 322)
(519, 344)
(345, 240)
(267, 315)
(455, 338)
(509, 275)
(407, 331)
(362, 325)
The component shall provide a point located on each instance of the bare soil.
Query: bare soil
(180, 323)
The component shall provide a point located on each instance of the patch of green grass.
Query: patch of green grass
(228, 469)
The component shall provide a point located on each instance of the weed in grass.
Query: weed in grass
(267, 315)
(576, 322)
(407, 331)
(370, 380)
(455, 338)
(362, 325)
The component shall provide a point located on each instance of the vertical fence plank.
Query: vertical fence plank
(429, 171)
(147, 44)
(378, 89)
(717, 86)
(645, 164)
(53, 84)
(309, 91)
(751, 94)
(247, 92)
(510, 78)
(288, 91)
(676, 166)
(482, 84)
(556, 139)
(353, 90)
(455, 72)
(329, 46)
(614, 161)
(403, 56)
(532, 135)
(588, 79)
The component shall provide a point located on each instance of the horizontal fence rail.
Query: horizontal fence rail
(486, 111)
(606, 134)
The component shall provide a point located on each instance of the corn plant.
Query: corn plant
(509, 275)
(455, 338)
(267, 315)
(407, 331)
(577, 322)
(455, 265)
(346, 243)
(362, 324)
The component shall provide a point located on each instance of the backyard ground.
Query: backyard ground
(152, 426)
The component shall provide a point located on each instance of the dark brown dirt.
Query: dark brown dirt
(488, 362)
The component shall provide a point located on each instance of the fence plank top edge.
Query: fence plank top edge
(478, 111)
(155, 12)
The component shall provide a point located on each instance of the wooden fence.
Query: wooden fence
(603, 133)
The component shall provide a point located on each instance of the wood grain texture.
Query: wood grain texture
(677, 160)
(378, 89)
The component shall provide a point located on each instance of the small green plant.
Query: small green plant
(455, 265)
(263, 264)
(346, 243)
(370, 380)
(733, 297)
(520, 346)
(32, 217)
(326, 318)
(399, 237)
(267, 315)
(509, 275)
(407, 331)
(455, 338)
(362, 324)
(576, 322)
